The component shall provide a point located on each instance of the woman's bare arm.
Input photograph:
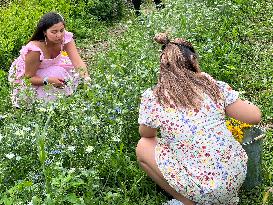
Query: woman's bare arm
(244, 111)
(32, 64)
(75, 58)
(146, 131)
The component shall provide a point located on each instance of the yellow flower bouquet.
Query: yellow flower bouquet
(251, 139)
(237, 128)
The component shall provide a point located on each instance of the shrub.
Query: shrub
(105, 10)
(90, 139)
(4, 92)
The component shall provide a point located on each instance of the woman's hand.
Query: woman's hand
(75, 58)
(57, 82)
(87, 80)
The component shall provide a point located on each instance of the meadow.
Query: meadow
(81, 149)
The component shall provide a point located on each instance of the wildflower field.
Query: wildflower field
(81, 149)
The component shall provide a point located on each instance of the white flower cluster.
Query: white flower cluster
(89, 149)
(11, 155)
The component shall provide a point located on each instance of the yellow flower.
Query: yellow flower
(228, 123)
(64, 53)
(230, 127)
(237, 128)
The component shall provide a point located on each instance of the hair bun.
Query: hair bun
(162, 38)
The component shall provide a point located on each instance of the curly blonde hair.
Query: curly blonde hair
(180, 80)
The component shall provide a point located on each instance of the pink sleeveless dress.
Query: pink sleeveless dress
(59, 67)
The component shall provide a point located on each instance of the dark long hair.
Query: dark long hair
(46, 21)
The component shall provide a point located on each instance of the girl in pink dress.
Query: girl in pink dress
(196, 159)
(49, 62)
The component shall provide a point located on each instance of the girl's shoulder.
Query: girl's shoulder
(40, 45)
(33, 46)
(148, 93)
(68, 36)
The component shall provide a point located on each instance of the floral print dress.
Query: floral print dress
(196, 153)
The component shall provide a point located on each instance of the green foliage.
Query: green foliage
(4, 91)
(5, 3)
(105, 10)
(81, 149)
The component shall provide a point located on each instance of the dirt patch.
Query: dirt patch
(89, 51)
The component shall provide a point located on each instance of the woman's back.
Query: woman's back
(172, 120)
(196, 147)
(196, 159)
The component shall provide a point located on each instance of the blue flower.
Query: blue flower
(185, 120)
(112, 117)
(48, 162)
(55, 152)
(219, 165)
(118, 110)
(225, 175)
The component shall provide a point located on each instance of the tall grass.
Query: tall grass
(86, 148)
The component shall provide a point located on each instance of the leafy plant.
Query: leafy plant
(87, 149)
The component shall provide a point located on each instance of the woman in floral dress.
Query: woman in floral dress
(50, 62)
(196, 159)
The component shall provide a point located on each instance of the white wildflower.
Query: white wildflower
(71, 148)
(58, 163)
(18, 158)
(27, 129)
(19, 132)
(89, 149)
(42, 109)
(10, 155)
(72, 170)
(116, 138)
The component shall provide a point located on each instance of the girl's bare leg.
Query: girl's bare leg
(145, 152)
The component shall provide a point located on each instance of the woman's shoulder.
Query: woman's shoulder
(148, 93)
(68, 36)
(35, 45)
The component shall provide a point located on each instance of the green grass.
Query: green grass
(80, 150)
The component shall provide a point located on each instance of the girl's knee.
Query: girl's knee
(140, 148)
(144, 147)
